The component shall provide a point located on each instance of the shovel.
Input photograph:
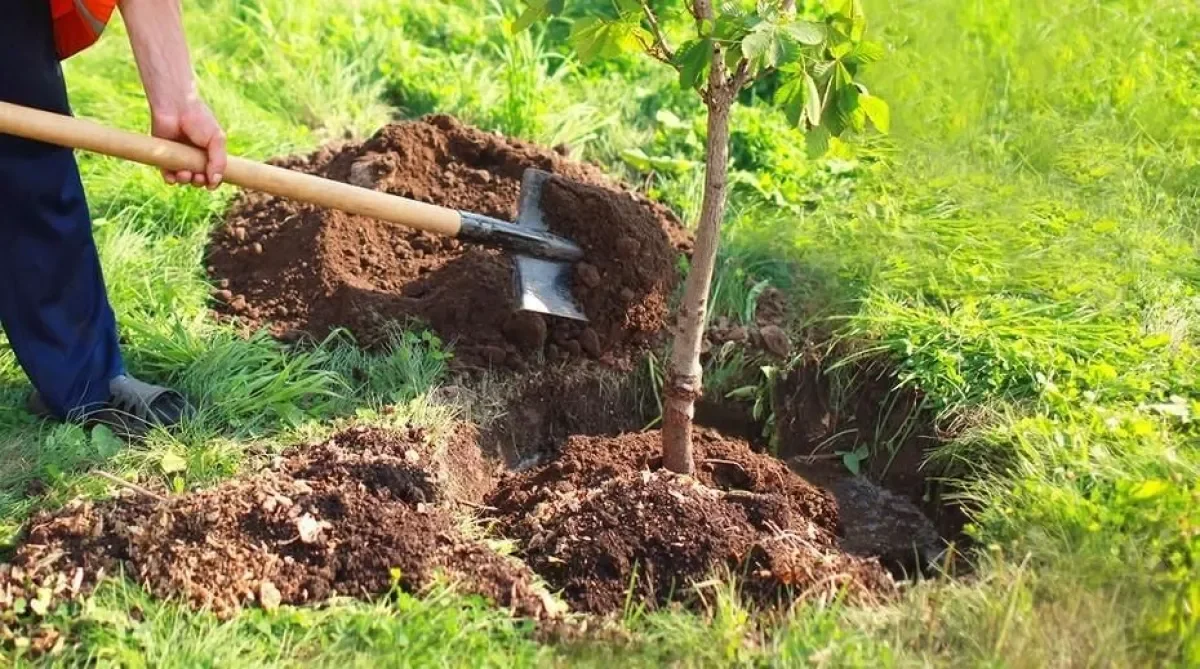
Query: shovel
(541, 270)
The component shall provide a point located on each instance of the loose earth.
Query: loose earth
(302, 271)
(356, 515)
(603, 516)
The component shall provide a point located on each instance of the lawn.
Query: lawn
(1021, 249)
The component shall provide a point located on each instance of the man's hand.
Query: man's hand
(176, 110)
(195, 125)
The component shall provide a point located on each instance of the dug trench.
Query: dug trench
(557, 460)
(560, 467)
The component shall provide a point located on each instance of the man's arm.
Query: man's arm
(176, 110)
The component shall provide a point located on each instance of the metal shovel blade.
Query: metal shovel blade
(542, 285)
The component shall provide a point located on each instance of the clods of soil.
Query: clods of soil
(350, 516)
(304, 271)
(603, 515)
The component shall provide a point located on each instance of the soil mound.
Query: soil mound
(351, 516)
(602, 516)
(300, 270)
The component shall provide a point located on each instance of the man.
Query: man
(53, 304)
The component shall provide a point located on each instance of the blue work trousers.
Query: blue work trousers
(53, 304)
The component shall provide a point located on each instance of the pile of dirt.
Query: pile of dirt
(603, 515)
(351, 516)
(304, 271)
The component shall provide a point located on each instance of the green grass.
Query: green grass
(1022, 249)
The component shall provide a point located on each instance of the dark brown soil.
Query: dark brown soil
(304, 271)
(534, 415)
(603, 515)
(350, 516)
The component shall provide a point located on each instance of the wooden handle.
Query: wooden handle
(77, 133)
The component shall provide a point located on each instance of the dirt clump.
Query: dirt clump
(304, 271)
(603, 515)
(354, 515)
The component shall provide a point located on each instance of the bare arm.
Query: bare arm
(176, 110)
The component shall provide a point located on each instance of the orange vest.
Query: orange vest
(78, 23)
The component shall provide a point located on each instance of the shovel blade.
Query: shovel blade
(544, 286)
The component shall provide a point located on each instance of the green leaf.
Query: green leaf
(852, 462)
(864, 53)
(41, 604)
(877, 111)
(768, 45)
(105, 442)
(172, 463)
(730, 27)
(598, 38)
(536, 11)
(806, 32)
(842, 77)
(637, 159)
(694, 60)
(812, 107)
(791, 97)
(817, 141)
(530, 16)
(674, 166)
(1149, 490)
(847, 114)
(743, 393)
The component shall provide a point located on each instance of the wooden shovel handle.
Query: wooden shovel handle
(78, 133)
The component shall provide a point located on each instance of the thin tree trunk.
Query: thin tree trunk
(685, 375)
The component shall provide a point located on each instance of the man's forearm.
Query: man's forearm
(160, 49)
(176, 111)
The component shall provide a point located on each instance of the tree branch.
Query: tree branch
(788, 6)
(741, 77)
(660, 41)
(655, 52)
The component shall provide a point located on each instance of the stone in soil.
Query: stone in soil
(347, 516)
(298, 269)
(603, 515)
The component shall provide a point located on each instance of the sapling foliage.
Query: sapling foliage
(719, 49)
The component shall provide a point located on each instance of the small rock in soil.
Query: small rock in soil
(527, 330)
(587, 274)
(268, 596)
(776, 341)
(495, 355)
(628, 247)
(573, 348)
(590, 342)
